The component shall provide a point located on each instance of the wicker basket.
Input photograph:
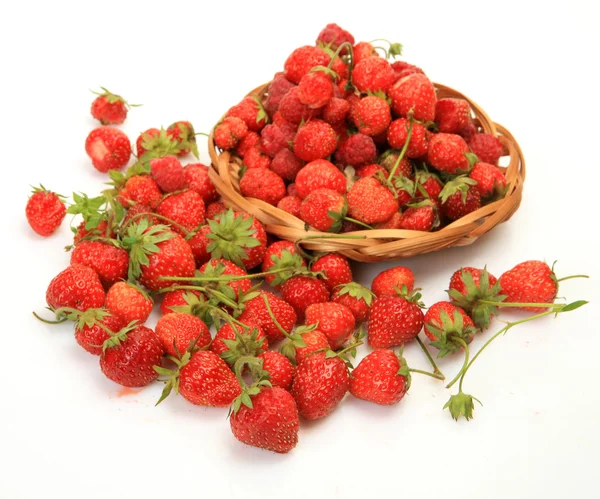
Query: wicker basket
(380, 244)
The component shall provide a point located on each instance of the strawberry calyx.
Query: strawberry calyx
(119, 179)
(413, 296)
(285, 265)
(88, 318)
(185, 139)
(451, 333)
(230, 236)
(393, 50)
(141, 241)
(245, 344)
(262, 113)
(116, 338)
(92, 210)
(461, 184)
(41, 188)
(260, 380)
(325, 69)
(356, 290)
(112, 98)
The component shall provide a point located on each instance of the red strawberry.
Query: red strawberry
(301, 291)
(447, 153)
(302, 60)
(77, 287)
(428, 185)
(370, 202)
(179, 300)
(168, 173)
(129, 357)
(249, 142)
(255, 158)
(109, 261)
(333, 36)
(390, 281)
(420, 216)
(313, 340)
(398, 133)
(461, 282)
(135, 213)
(263, 184)
(372, 115)
(45, 211)
(128, 303)
(356, 150)
(370, 170)
(324, 210)
(292, 109)
(315, 89)
(392, 223)
(140, 189)
(389, 159)
(269, 422)
(185, 209)
(197, 179)
(256, 311)
(405, 189)
(274, 138)
(92, 335)
(278, 87)
(363, 50)
(414, 93)
(382, 377)
(532, 281)
(215, 209)
(177, 331)
(373, 74)
(99, 230)
(286, 164)
(320, 174)
(229, 132)
(452, 115)
(281, 370)
(357, 298)
(281, 255)
(108, 148)
(145, 137)
(335, 111)
(448, 327)
(335, 267)
(486, 147)
(182, 133)
(394, 320)
(468, 132)
(403, 68)
(290, 204)
(315, 140)
(109, 108)
(232, 344)
(217, 268)
(489, 178)
(199, 244)
(460, 197)
(335, 321)
(250, 110)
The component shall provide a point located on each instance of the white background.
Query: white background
(65, 432)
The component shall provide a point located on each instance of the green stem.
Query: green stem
(402, 152)
(275, 321)
(519, 305)
(432, 375)
(64, 319)
(350, 347)
(578, 276)
(353, 220)
(465, 363)
(228, 277)
(436, 370)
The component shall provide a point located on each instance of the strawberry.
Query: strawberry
(324, 210)
(335, 111)
(335, 267)
(316, 89)
(215, 209)
(314, 140)
(334, 320)
(369, 170)
(452, 115)
(98, 231)
(234, 341)
(382, 377)
(251, 111)
(532, 281)
(320, 384)
(302, 60)
(403, 68)
(301, 291)
(333, 36)
(199, 243)
(389, 159)
(398, 133)
(274, 138)
(217, 268)
(370, 202)
(281, 255)
(420, 216)
(128, 303)
(447, 153)
(128, 358)
(278, 87)
(256, 311)
(372, 115)
(468, 131)
(460, 197)
(293, 110)
(107, 259)
(109, 108)
(178, 330)
(320, 174)
(290, 204)
(77, 287)
(263, 184)
(312, 339)
(182, 133)
(486, 147)
(363, 50)
(489, 178)
(197, 179)
(229, 132)
(357, 298)
(255, 158)
(269, 420)
(238, 237)
(405, 190)
(145, 138)
(249, 142)
(394, 320)
(286, 164)
(428, 185)
(392, 223)
(448, 327)
(91, 334)
(414, 94)
(179, 300)
(108, 148)
(281, 370)
(135, 213)
(168, 173)
(45, 211)
(140, 189)
(373, 74)
(391, 280)
(358, 149)
(185, 211)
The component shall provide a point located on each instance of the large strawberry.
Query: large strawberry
(314, 140)
(77, 287)
(106, 257)
(255, 310)
(301, 291)
(373, 74)
(128, 302)
(335, 268)
(177, 331)
(324, 210)
(45, 211)
(390, 281)
(532, 281)
(183, 211)
(356, 297)
(370, 202)
(414, 94)
(394, 320)
(281, 256)
(109, 148)
(334, 320)
(448, 153)
(319, 174)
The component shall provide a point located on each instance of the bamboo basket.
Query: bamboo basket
(379, 244)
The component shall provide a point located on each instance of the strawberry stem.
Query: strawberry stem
(578, 276)
(357, 222)
(350, 347)
(64, 319)
(513, 304)
(272, 315)
(432, 375)
(402, 152)
(464, 367)
(228, 277)
(160, 217)
(436, 370)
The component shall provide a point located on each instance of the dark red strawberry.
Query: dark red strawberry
(182, 211)
(197, 179)
(358, 149)
(373, 74)
(452, 115)
(77, 287)
(286, 164)
(177, 331)
(168, 173)
(447, 153)
(392, 280)
(490, 179)
(334, 320)
(335, 267)
(394, 320)
(109, 108)
(229, 132)
(414, 94)
(128, 303)
(107, 258)
(281, 256)
(278, 87)
(486, 147)
(319, 174)
(324, 210)
(109, 148)
(398, 133)
(256, 310)
(301, 291)
(333, 36)
(141, 189)
(263, 184)
(302, 60)
(370, 202)
(357, 298)
(372, 115)
(293, 110)
(314, 140)
(274, 138)
(460, 197)
(45, 211)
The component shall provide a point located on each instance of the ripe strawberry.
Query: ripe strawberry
(363, 50)
(216, 268)
(293, 110)
(229, 132)
(389, 159)
(428, 184)
(168, 173)
(281, 370)
(251, 111)
(145, 137)
(315, 89)
(286, 164)
(256, 311)
(390, 281)
(420, 216)
(232, 344)
(183, 134)
(313, 340)
(489, 178)
(370, 202)
(128, 303)
(448, 327)
(532, 281)
(319, 174)
(459, 198)
(447, 153)
(140, 189)
(403, 68)
(334, 320)
(263, 184)
(269, 422)
(394, 320)
(357, 298)
(290, 204)
(373, 74)
(468, 131)
(452, 115)
(320, 384)
(405, 190)
(333, 36)
(372, 115)
(180, 300)
(335, 267)
(45, 211)
(108, 148)
(184, 209)
(398, 133)
(274, 138)
(98, 231)
(109, 108)
(324, 210)
(302, 60)
(255, 158)
(486, 147)
(177, 331)
(249, 142)
(358, 149)
(109, 261)
(382, 377)
(414, 93)
(315, 140)
(91, 335)
(129, 357)
(302, 291)
(197, 179)
(135, 213)
(77, 287)
(369, 170)
(215, 209)
(335, 111)
(281, 255)
(278, 87)
(392, 223)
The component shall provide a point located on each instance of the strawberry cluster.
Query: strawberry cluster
(345, 138)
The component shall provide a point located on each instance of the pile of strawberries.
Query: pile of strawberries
(346, 140)
(248, 322)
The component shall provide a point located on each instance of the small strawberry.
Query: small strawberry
(286, 164)
(302, 291)
(460, 197)
(234, 341)
(141, 189)
(229, 132)
(45, 211)
(105, 257)
(372, 115)
(489, 178)
(486, 147)
(447, 153)
(145, 137)
(279, 256)
(184, 135)
(373, 74)
(314, 140)
(278, 87)
(448, 327)
(168, 173)
(311, 340)
(405, 190)
(263, 184)
(335, 267)
(452, 115)
(135, 213)
(382, 377)
(369, 170)
(197, 179)
(199, 243)
(394, 320)
(302, 60)
(290, 204)
(128, 303)
(255, 310)
(468, 131)
(251, 111)
(128, 358)
(532, 281)
(180, 300)
(108, 148)
(184, 211)
(334, 320)
(281, 370)
(77, 287)
(390, 281)
(255, 158)
(275, 138)
(99, 231)
(403, 68)
(422, 216)
(316, 88)
(357, 298)
(370, 202)
(324, 210)
(319, 174)
(109, 108)
(249, 142)
(333, 36)
(358, 149)
(392, 223)
(335, 111)
(398, 133)
(177, 331)
(414, 94)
